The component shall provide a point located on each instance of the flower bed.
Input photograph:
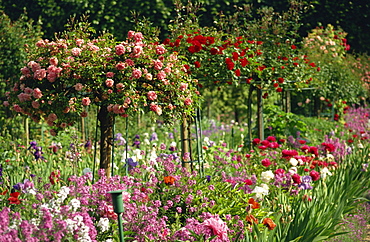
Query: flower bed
(280, 190)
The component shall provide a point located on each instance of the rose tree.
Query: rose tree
(65, 76)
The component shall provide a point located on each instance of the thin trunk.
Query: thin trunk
(185, 143)
(260, 114)
(106, 139)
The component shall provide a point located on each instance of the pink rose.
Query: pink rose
(39, 74)
(120, 49)
(158, 65)
(119, 85)
(160, 50)
(130, 62)
(76, 51)
(138, 36)
(28, 90)
(130, 34)
(188, 101)
(109, 74)
(25, 71)
(35, 104)
(17, 108)
(120, 66)
(53, 61)
(79, 42)
(23, 97)
(136, 73)
(6, 103)
(34, 65)
(218, 227)
(161, 75)
(167, 69)
(52, 117)
(183, 86)
(86, 101)
(152, 95)
(149, 76)
(137, 51)
(155, 108)
(78, 87)
(109, 83)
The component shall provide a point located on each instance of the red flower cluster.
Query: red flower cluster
(54, 177)
(13, 199)
(287, 154)
(169, 180)
(328, 147)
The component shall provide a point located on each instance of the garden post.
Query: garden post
(118, 209)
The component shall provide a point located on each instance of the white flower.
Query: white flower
(360, 145)
(137, 154)
(146, 141)
(261, 190)
(173, 144)
(103, 224)
(293, 170)
(325, 172)
(293, 161)
(75, 204)
(266, 176)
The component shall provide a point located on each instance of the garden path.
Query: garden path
(367, 239)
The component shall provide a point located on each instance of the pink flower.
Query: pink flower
(17, 108)
(152, 95)
(130, 34)
(25, 71)
(76, 51)
(120, 66)
(130, 62)
(109, 83)
(39, 74)
(119, 85)
(136, 73)
(35, 104)
(53, 61)
(183, 86)
(218, 227)
(137, 51)
(266, 162)
(160, 50)
(34, 65)
(52, 117)
(23, 97)
(149, 76)
(314, 175)
(79, 42)
(138, 36)
(120, 49)
(158, 65)
(161, 75)
(155, 108)
(6, 103)
(78, 87)
(188, 101)
(86, 101)
(109, 74)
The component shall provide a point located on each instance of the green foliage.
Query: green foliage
(282, 124)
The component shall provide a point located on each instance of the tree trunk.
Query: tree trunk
(185, 143)
(260, 125)
(106, 139)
